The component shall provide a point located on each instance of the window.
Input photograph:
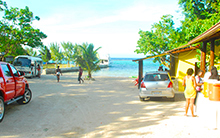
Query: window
(156, 77)
(6, 70)
(21, 61)
(14, 71)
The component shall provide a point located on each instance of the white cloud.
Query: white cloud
(140, 13)
(60, 27)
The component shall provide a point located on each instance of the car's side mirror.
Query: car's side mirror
(21, 73)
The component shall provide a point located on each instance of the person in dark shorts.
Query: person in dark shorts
(58, 73)
(80, 75)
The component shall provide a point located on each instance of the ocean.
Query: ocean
(125, 67)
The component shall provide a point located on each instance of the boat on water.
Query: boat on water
(104, 61)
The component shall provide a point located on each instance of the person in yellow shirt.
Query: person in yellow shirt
(189, 83)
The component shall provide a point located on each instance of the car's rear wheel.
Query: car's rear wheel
(26, 97)
(144, 99)
(2, 108)
(141, 99)
(173, 98)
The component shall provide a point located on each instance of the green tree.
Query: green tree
(56, 53)
(200, 15)
(16, 30)
(31, 52)
(78, 52)
(199, 9)
(45, 54)
(68, 51)
(89, 60)
(161, 38)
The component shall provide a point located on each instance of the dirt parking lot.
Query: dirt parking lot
(106, 107)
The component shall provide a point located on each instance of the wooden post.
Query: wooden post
(172, 66)
(140, 73)
(212, 54)
(203, 56)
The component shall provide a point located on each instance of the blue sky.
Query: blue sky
(111, 24)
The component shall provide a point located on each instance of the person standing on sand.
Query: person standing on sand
(160, 68)
(58, 73)
(39, 70)
(80, 75)
(199, 83)
(189, 83)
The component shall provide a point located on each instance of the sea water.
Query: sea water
(125, 67)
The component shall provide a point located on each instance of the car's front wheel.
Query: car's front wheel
(2, 108)
(26, 97)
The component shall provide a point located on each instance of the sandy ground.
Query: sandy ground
(106, 107)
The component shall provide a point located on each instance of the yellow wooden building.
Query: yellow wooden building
(187, 59)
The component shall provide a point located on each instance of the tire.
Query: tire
(142, 99)
(26, 97)
(173, 99)
(2, 108)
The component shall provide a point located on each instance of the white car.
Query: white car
(156, 84)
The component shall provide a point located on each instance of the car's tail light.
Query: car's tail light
(142, 85)
(170, 85)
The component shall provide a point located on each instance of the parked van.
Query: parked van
(28, 65)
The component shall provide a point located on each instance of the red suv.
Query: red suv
(13, 87)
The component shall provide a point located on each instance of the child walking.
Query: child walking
(189, 83)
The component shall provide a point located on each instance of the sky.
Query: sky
(110, 24)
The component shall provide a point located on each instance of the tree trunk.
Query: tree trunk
(89, 74)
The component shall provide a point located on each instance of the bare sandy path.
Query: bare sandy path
(107, 107)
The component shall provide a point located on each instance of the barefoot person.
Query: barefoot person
(58, 73)
(80, 75)
(189, 83)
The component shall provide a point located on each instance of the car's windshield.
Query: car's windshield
(22, 62)
(156, 77)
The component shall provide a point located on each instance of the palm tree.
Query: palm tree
(68, 51)
(31, 51)
(45, 54)
(56, 53)
(87, 58)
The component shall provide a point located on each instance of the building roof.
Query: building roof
(173, 51)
